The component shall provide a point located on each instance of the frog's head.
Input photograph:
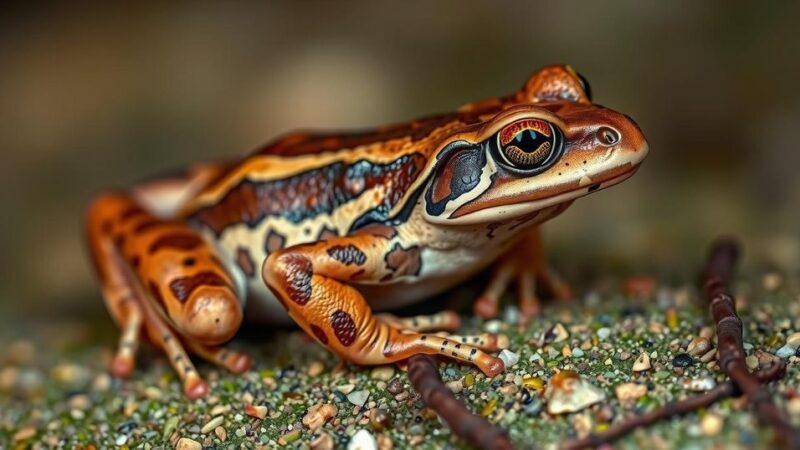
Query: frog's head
(547, 145)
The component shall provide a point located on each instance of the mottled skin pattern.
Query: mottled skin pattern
(322, 228)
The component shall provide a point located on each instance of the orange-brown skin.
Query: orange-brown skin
(334, 225)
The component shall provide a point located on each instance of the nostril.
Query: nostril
(607, 136)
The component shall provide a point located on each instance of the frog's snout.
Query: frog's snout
(213, 315)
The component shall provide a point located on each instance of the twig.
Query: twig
(676, 408)
(474, 429)
(721, 262)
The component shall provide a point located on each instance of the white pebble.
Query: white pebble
(603, 333)
(358, 398)
(493, 326)
(785, 352)
(362, 440)
(509, 358)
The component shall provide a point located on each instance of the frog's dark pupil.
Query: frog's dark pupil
(528, 140)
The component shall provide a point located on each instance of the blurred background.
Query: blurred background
(92, 99)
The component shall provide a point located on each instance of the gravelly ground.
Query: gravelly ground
(58, 395)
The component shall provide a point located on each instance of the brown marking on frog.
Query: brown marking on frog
(404, 261)
(183, 287)
(320, 335)
(298, 270)
(343, 327)
(176, 241)
(245, 261)
(347, 254)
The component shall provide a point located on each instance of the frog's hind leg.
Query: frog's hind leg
(312, 282)
(165, 276)
(234, 361)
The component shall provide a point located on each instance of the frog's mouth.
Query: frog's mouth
(511, 211)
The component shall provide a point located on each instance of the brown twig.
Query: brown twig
(676, 408)
(474, 429)
(721, 262)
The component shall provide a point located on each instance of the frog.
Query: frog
(333, 231)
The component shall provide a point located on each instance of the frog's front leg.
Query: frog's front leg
(524, 262)
(313, 283)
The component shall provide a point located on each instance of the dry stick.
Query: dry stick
(474, 429)
(721, 262)
(676, 408)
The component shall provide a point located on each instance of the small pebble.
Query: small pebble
(256, 411)
(24, 434)
(509, 358)
(315, 368)
(785, 352)
(395, 386)
(362, 440)
(186, 444)
(752, 362)
(384, 373)
(221, 433)
(603, 333)
(701, 384)
(346, 388)
(289, 437)
(682, 360)
(557, 334)
(569, 392)
(641, 363)
(211, 424)
(711, 354)
(322, 442)
(358, 398)
(711, 424)
(455, 386)
(698, 346)
(577, 352)
(629, 392)
(319, 414)
(793, 340)
(379, 419)
(493, 326)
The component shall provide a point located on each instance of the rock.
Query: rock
(628, 392)
(699, 384)
(395, 386)
(256, 411)
(318, 414)
(709, 355)
(569, 392)
(362, 440)
(346, 388)
(785, 352)
(221, 433)
(493, 326)
(187, 444)
(315, 368)
(385, 442)
(641, 363)
(358, 398)
(384, 373)
(682, 360)
(509, 358)
(455, 386)
(711, 424)
(752, 362)
(211, 424)
(577, 352)
(323, 442)
(603, 333)
(793, 340)
(379, 419)
(772, 281)
(698, 346)
(557, 334)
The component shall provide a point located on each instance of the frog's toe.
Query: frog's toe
(122, 366)
(195, 388)
(485, 307)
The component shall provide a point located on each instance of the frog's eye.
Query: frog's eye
(529, 144)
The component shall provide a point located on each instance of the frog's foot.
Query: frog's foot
(447, 320)
(487, 342)
(232, 360)
(524, 265)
